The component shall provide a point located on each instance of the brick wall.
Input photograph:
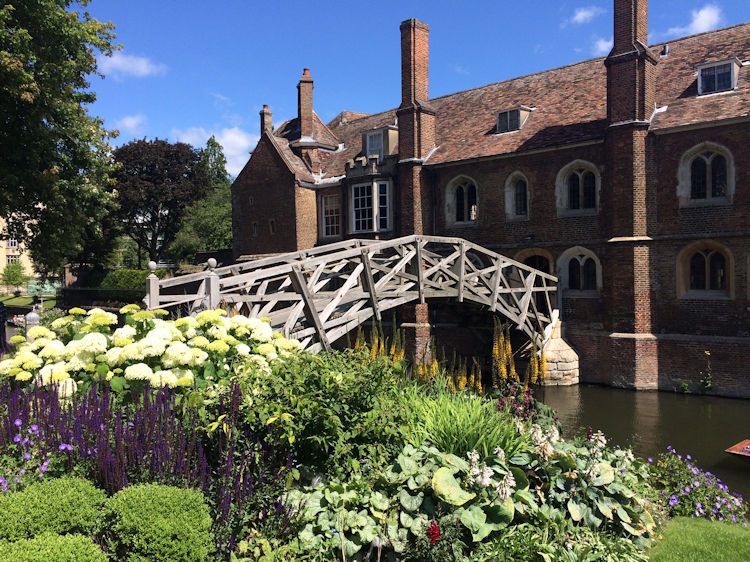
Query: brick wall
(264, 191)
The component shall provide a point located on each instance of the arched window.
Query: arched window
(516, 197)
(461, 201)
(577, 189)
(582, 270)
(708, 271)
(704, 270)
(706, 176)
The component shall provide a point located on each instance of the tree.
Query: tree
(155, 183)
(14, 275)
(208, 222)
(55, 157)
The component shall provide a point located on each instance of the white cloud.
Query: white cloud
(707, 18)
(458, 69)
(236, 143)
(132, 124)
(583, 15)
(602, 46)
(120, 65)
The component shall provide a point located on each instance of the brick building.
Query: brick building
(627, 176)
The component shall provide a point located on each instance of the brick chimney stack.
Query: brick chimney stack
(305, 104)
(631, 72)
(415, 58)
(265, 120)
(631, 25)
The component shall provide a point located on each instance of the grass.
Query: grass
(699, 540)
(10, 300)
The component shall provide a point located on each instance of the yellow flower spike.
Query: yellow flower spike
(77, 311)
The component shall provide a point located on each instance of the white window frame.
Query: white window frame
(732, 63)
(12, 243)
(377, 188)
(372, 148)
(331, 203)
(12, 259)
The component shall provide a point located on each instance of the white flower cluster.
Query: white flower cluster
(504, 488)
(147, 348)
(480, 475)
(544, 442)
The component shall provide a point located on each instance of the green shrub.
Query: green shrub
(48, 547)
(459, 423)
(129, 278)
(157, 522)
(62, 505)
(338, 410)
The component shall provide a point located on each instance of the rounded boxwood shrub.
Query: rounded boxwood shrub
(49, 546)
(61, 505)
(157, 522)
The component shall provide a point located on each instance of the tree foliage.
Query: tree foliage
(155, 183)
(14, 275)
(208, 222)
(55, 157)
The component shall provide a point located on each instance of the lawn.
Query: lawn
(10, 300)
(699, 540)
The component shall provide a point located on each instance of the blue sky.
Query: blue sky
(190, 69)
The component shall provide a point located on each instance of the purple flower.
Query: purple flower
(27, 456)
(22, 471)
(34, 428)
(689, 457)
(650, 459)
(65, 447)
(17, 439)
(15, 479)
(17, 423)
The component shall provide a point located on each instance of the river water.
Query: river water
(649, 421)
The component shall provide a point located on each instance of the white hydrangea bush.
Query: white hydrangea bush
(189, 352)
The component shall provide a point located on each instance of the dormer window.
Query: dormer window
(717, 77)
(512, 119)
(375, 144)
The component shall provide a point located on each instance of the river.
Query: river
(649, 421)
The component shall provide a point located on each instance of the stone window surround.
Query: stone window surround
(683, 272)
(562, 266)
(526, 253)
(684, 176)
(510, 197)
(561, 188)
(450, 201)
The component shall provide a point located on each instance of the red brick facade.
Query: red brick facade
(631, 129)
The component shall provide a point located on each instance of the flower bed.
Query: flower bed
(339, 455)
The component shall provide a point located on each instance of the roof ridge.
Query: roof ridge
(699, 34)
(326, 127)
(366, 115)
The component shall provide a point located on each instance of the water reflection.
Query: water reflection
(649, 421)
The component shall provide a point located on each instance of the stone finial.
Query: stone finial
(211, 263)
(152, 266)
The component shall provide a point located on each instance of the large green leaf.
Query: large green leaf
(520, 459)
(576, 509)
(604, 508)
(118, 384)
(379, 501)
(623, 515)
(409, 502)
(473, 518)
(522, 482)
(499, 515)
(448, 489)
(605, 474)
(458, 462)
(408, 465)
(591, 520)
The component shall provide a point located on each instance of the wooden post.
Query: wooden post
(212, 285)
(152, 288)
(369, 284)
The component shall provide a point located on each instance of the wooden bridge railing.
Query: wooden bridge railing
(318, 295)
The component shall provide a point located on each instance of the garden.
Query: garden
(134, 437)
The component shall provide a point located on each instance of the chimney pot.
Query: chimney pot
(306, 72)
(265, 106)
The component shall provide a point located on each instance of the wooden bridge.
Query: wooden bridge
(319, 295)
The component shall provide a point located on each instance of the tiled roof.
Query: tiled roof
(677, 84)
(570, 105)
